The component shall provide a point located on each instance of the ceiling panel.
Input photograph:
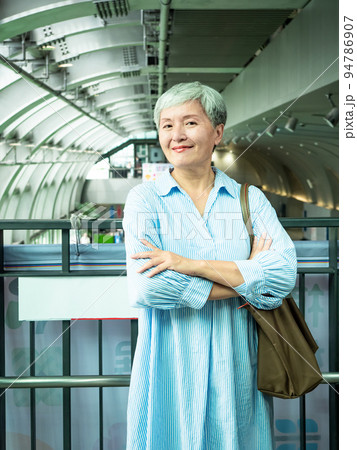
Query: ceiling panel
(218, 81)
(220, 38)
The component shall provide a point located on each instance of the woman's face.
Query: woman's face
(187, 136)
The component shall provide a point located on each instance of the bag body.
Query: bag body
(287, 365)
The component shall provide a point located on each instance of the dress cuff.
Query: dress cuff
(254, 279)
(196, 293)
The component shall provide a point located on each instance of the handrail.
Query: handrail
(65, 381)
(56, 224)
(319, 222)
(95, 381)
(103, 224)
(65, 224)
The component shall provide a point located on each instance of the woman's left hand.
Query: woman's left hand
(162, 260)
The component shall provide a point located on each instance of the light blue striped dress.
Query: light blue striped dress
(193, 382)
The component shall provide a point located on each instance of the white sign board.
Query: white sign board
(66, 298)
(151, 171)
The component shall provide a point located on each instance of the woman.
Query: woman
(189, 265)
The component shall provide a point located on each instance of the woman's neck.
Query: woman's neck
(194, 181)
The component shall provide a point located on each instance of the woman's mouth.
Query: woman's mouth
(180, 148)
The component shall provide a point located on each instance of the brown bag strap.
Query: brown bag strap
(244, 203)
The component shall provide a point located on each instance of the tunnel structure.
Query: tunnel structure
(79, 80)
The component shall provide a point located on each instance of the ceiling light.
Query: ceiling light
(331, 117)
(291, 124)
(236, 139)
(309, 183)
(270, 131)
(228, 158)
(65, 65)
(251, 136)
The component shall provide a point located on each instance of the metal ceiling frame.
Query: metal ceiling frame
(116, 102)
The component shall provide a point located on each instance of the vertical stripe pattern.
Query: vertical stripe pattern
(193, 383)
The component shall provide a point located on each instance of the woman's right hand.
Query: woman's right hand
(263, 244)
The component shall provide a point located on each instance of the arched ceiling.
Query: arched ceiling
(78, 78)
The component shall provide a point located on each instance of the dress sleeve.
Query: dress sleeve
(167, 289)
(271, 274)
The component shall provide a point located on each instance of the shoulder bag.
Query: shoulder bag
(287, 366)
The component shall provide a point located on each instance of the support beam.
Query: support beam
(164, 23)
(27, 76)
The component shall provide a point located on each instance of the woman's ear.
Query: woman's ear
(219, 133)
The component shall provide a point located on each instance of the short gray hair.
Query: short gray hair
(211, 101)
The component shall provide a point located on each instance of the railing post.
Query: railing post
(32, 390)
(2, 363)
(100, 368)
(302, 398)
(1, 251)
(333, 337)
(65, 251)
(134, 337)
(66, 370)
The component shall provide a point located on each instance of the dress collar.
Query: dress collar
(165, 183)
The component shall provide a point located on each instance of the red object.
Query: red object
(239, 307)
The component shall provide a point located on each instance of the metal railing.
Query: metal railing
(66, 381)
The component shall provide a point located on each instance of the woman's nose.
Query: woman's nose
(178, 133)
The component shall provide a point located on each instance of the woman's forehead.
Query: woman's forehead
(191, 107)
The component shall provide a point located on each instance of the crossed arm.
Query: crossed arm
(166, 280)
(224, 274)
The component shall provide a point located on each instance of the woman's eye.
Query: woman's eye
(191, 122)
(166, 126)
